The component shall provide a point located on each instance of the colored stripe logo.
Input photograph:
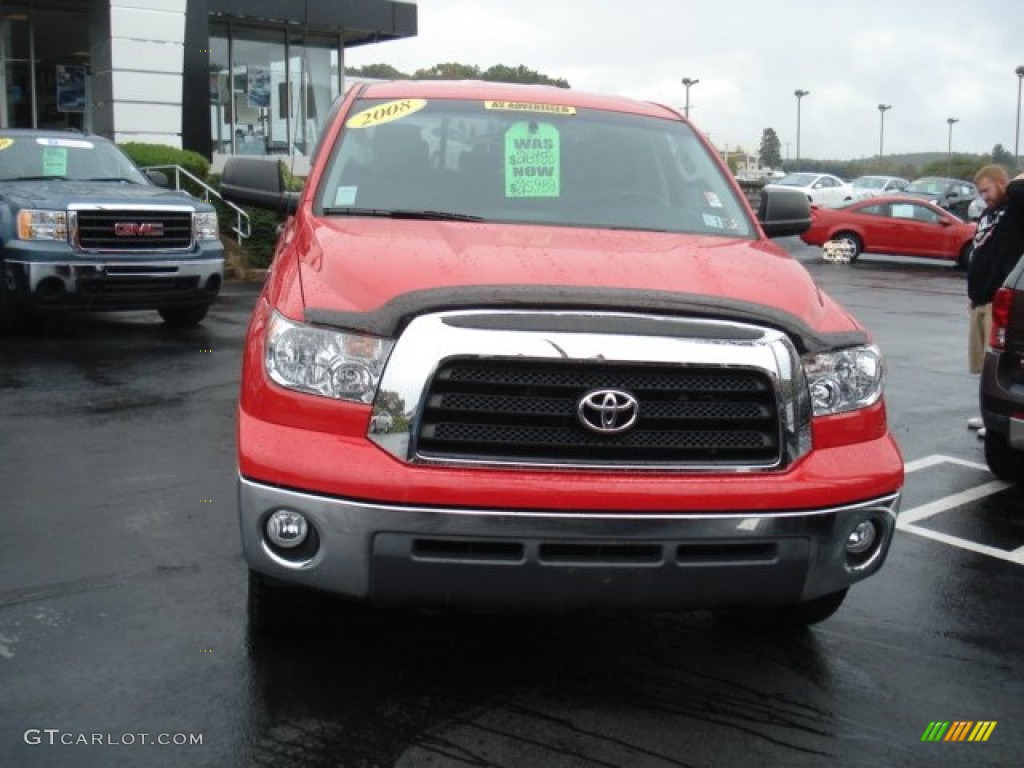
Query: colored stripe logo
(958, 730)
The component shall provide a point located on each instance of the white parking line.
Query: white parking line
(907, 520)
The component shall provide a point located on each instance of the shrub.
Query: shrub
(161, 154)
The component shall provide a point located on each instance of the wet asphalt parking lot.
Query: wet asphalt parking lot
(122, 589)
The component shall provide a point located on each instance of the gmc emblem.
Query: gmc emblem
(138, 229)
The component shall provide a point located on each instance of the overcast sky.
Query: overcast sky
(930, 60)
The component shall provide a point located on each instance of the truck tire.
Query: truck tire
(13, 319)
(184, 317)
(1005, 462)
(792, 616)
(269, 607)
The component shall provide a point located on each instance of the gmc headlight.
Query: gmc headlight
(205, 226)
(845, 380)
(42, 225)
(345, 366)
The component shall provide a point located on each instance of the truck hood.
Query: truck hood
(57, 195)
(373, 275)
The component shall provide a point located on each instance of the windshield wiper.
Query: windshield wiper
(39, 178)
(110, 178)
(402, 214)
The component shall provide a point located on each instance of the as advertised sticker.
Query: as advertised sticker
(532, 160)
(5, 143)
(385, 113)
(525, 106)
(74, 143)
(55, 161)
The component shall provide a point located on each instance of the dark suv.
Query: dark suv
(81, 227)
(1002, 381)
(954, 195)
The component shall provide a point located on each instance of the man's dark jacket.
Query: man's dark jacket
(998, 246)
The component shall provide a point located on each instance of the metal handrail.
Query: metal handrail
(241, 217)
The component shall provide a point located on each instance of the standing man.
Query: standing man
(998, 244)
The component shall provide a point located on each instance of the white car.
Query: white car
(873, 186)
(820, 188)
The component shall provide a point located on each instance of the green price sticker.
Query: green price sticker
(55, 161)
(532, 160)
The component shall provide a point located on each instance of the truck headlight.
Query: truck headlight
(205, 226)
(319, 361)
(845, 380)
(42, 225)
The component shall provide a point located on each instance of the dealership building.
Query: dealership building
(213, 76)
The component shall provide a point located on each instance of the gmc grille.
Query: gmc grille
(133, 230)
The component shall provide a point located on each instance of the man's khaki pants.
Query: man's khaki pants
(977, 336)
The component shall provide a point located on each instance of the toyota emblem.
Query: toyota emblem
(608, 411)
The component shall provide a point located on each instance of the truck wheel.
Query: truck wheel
(13, 319)
(1006, 462)
(184, 317)
(270, 607)
(788, 616)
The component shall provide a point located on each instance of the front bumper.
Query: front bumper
(556, 560)
(113, 283)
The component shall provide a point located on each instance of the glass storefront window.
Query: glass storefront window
(268, 96)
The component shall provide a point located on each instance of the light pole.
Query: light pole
(1016, 140)
(949, 150)
(799, 95)
(882, 109)
(687, 83)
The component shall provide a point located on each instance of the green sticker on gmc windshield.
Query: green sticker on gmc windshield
(55, 161)
(532, 160)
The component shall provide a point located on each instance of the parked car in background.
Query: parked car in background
(873, 186)
(975, 209)
(904, 226)
(952, 194)
(820, 188)
(614, 391)
(1001, 391)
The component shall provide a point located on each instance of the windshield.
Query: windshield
(798, 180)
(528, 163)
(33, 158)
(869, 182)
(927, 186)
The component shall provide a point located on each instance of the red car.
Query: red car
(897, 225)
(606, 387)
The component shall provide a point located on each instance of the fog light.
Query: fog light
(287, 529)
(862, 538)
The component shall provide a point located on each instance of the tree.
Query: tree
(1002, 156)
(448, 71)
(501, 73)
(770, 154)
(377, 71)
(959, 167)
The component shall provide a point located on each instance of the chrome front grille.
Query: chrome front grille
(507, 388)
(526, 411)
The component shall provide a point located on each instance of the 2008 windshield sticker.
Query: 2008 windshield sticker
(5, 143)
(385, 113)
(532, 160)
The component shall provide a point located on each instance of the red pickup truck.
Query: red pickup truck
(603, 385)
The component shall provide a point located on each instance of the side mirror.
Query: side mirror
(259, 182)
(783, 212)
(159, 178)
